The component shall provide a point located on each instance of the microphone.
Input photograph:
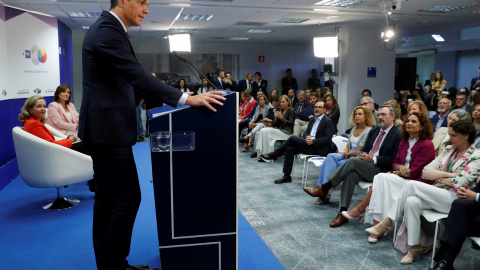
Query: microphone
(183, 59)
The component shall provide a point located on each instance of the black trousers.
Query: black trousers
(463, 221)
(294, 145)
(117, 198)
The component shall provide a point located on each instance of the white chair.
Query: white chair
(339, 141)
(43, 164)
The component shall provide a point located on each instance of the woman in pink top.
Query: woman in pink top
(61, 112)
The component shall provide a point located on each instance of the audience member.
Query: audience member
(316, 140)
(440, 119)
(370, 104)
(282, 128)
(377, 156)
(273, 93)
(182, 86)
(218, 82)
(248, 104)
(301, 125)
(418, 84)
(475, 114)
(417, 106)
(429, 82)
(398, 112)
(463, 220)
(62, 114)
(289, 82)
(414, 153)
(314, 81)
(308, 92)
(245, 83)
(461, 102)
(32, 116)
(416, 94)
(368, 93)
(441, 138)
(439, 82)
(205, 87)
(291, 95)
(362, 120)
(475, 83)
(231, 84)
(456, 167)
(332, 109)
(303, 109)
(262, 117)
(470, 96)
(431, 101)
(259, 84)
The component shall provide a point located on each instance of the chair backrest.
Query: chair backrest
(44, 164)
(340, 142)
(55, 132)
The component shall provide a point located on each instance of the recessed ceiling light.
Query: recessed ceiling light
(179, 5)
(389, 13)
(339, 3)
(239, 38)
(86, 27)
(195, 17)
(258, 31)
(438, 38)
(333, 17)
(84, 14)
(325, 10)
(445, 9)
(291, 20)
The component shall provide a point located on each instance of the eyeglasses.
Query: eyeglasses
(318, 107)
(365, 103)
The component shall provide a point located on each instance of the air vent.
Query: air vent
(251, 23)
(291, 20)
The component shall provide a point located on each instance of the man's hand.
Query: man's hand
(365, 157)
(465, 193)
(309, 140)
(205, 99)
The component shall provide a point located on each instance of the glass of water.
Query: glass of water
(163, 140)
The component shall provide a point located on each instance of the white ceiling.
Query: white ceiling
(408, 20)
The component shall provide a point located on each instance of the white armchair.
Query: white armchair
(43, 164)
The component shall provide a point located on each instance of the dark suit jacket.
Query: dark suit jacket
(232, 86)
(423, 152)
(286, 124)
(388, 150)
(435, 120)
(468, 108)
(307, 110)
(111, 77)
(335, 116)
(323, 137)
(242, 85)
(218, 84)
(263, 86)
(286, 85)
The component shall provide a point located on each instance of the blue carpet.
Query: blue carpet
(33, 238)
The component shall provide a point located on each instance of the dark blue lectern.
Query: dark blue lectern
(194, 166)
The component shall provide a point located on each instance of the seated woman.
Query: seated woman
(182, 86)
(362, 120)
(205, 87)
(417, 106)
(441, 138)
(32, 117)
(282, 128)
(332, 109)
(273, 93)
(414, 153)
(262, 117)
(247, 104)
(61, 113)
(457, 166)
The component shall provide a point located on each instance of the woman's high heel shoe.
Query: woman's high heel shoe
(373, 230)
(347, 215)
(407, 259)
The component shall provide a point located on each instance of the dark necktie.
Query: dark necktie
(299, 109)
(377, 144)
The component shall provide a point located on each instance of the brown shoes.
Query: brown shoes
(315, 191)
(338, 221)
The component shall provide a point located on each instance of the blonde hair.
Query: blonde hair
(29, 103)
(394, 104)
(370, 119)
(420, 105)
(287, 99)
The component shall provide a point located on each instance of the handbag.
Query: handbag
(267, 124)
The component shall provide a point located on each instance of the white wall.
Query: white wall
(355, 56)
(468, 63)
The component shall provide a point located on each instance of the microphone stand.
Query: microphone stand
(183, 59)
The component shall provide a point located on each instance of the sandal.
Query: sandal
(249, 142)
(245, 148)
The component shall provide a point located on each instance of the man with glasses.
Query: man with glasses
(461, 102)
(370, 104)
(376, 156)
(316, 140)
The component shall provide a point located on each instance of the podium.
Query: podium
(195, 171)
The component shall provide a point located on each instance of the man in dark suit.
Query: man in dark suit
(316, 140)
(218, 82)
(107, 126)
(259, 84)
(463, 220)
(245, 83)
(377, 156)
(303, 109)
(430, 81)
(293, 98)
(440, 119)
(289, 82)
(461, 102)
(314, 82)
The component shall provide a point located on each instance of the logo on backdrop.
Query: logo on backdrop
(37, 55)
(4, 92)
(37, 91)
